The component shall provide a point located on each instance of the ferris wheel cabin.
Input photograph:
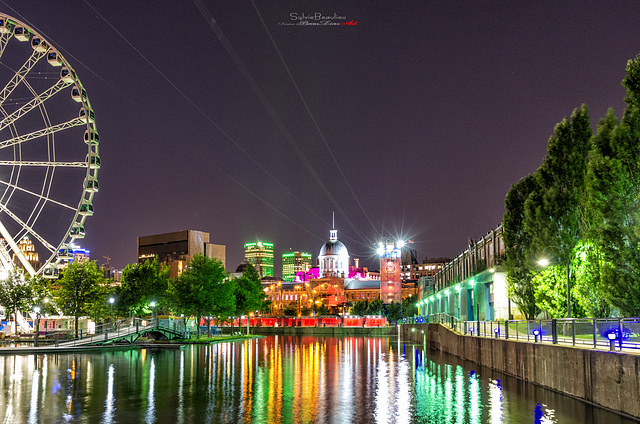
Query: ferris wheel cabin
(83, 115)
(5, 26)
(86, 208)
(91, 185)
(21, 33)
(91, 137)
(54, 59)
(51, 271)
(66, 74)
(39, 44)
(77, 231)
(79, 94)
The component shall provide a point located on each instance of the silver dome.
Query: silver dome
(334, 248)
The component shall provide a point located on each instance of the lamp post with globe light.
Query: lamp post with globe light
(111, 300)
(153, 309)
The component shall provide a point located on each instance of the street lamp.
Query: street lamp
(36, 326)
(153, 309)
(111, 300)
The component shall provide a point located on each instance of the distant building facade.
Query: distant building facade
(294, 262)
(177, 248)
(429, 267)
(28, 249)
(472, 286)
(334, 283)
(260, 255)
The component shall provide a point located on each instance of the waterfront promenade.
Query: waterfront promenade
(609, 379)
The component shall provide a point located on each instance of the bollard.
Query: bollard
(56, 338)
(506, 329)
(554, 331)
(612, 341)
(106, 335)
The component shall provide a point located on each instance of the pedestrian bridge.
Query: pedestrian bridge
(127, 330)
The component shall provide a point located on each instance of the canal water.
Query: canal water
(277, 379)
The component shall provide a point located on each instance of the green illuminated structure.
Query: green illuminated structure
(294, 262)
(260, 255)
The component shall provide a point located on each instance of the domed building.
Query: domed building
(334, 258)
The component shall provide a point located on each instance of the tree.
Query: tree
(359, 308)
(16, 293)
(290, 310)
(248, 291)
(203, 289)
(322, 310)
(141, 284)
(394, 311)
(409, 306)
(80, 287)
(614, 197)
(553, 212)
(517, 241)
(375, 307)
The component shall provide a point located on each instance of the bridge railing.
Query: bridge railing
(608, 333)
(105, 332)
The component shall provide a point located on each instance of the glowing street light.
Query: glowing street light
(543, 262)
(153, 309)
(111, 300)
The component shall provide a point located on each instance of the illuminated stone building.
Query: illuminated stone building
(294, 262)
(334, 283)
(260, 255)
(176, 249)
(29, 251)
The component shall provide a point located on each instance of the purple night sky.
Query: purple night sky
(412, 123)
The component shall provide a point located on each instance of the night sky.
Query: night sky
(413, 122)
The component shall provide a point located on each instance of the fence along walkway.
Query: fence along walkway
(125, 329)
(602, 333)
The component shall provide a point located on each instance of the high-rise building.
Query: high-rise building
(294, 262)
(260, 255)
(176, 249)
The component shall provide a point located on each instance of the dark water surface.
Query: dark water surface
(276, 379)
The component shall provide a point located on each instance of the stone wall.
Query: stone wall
(607, 379)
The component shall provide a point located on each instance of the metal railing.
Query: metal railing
(609, 333)
(105, 332)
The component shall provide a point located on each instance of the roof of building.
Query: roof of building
(355, 284)
(334, 247)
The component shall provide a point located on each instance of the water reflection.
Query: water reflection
(275, 379)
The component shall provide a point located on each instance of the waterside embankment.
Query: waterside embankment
(607, 379)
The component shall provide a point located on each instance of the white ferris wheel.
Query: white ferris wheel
(48, 152)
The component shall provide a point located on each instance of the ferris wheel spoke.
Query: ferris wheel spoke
(4, 40)
(5, 258)
(27, 228)
(16, 250)
(41, 164)
(41, 98)
(36, 134)
(39, 196)
(19, 76)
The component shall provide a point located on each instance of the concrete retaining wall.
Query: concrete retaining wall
(607, 379)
